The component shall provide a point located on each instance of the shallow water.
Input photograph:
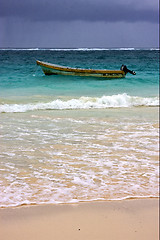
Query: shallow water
(70, 139)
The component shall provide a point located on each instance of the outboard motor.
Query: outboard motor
(126, 70)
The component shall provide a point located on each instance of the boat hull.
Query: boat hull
(52, 69)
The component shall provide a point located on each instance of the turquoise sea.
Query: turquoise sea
(67, 138)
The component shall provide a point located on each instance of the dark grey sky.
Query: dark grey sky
(78, 23)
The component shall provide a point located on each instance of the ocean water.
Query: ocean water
(69, 139)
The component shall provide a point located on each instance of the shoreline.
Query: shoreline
(124, 219)
(23, 205)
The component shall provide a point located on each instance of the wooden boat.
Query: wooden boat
(53, 69)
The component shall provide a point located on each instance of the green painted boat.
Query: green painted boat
(53, 69)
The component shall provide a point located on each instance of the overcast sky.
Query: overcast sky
(78, 23)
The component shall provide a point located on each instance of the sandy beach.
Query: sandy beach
(127, 219)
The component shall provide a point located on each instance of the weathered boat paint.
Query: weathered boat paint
(53, 69)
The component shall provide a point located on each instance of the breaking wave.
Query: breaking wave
(114, 101)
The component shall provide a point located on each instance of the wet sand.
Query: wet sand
(122, 220)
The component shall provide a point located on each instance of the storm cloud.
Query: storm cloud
(78, 23)
(85, 10)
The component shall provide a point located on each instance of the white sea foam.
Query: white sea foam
(114, 101)
(76, 49)
(65, 160)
